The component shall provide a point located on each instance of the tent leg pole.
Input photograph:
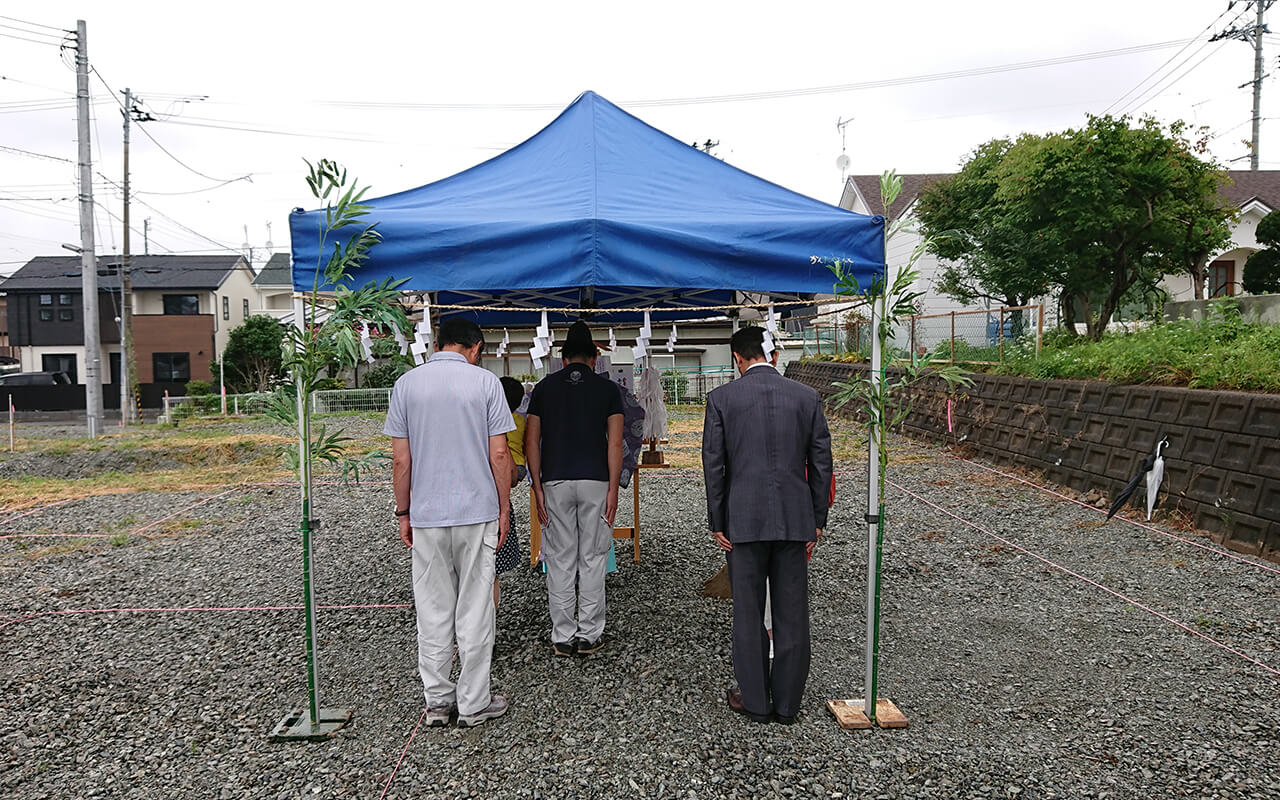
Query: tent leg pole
(874, 510)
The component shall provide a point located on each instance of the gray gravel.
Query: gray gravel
(1019, 681)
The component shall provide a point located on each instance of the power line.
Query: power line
(782, 93)
(164, 149)
(1170, 60)
(32, 41)
(37, 24)
(33, 154)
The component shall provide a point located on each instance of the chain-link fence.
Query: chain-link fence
(334, 401)
(985, 336)
(680, 385)
(691, 384)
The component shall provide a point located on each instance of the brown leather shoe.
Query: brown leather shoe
(734, 699)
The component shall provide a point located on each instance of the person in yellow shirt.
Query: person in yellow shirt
(507, 557)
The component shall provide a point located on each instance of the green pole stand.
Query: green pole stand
(297, 725)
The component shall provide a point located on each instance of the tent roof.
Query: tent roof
(601, 209)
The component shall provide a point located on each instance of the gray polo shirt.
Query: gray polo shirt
(448, 409)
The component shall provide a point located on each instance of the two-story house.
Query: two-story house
(184, 307)
(274, 285)
(1253, 193)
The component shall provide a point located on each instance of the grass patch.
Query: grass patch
(25, 492)
(1220, 352)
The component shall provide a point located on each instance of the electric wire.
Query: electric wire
(164, 149)
(36, 24)
(1138, 98)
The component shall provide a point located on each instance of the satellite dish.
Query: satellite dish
(842, 163)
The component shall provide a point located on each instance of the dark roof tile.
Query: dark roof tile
(149, 272)
(276, 272)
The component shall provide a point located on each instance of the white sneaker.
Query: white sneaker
(497, 707)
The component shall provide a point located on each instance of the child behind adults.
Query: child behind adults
(507, 557)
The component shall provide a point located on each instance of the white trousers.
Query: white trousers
(453, 595)
(575, 545)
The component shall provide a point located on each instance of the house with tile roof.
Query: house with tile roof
(1254, 193)
(274, 286)
(184, 307)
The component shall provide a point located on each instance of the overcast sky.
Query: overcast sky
(404, 94)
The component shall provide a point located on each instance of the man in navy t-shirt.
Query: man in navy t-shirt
(573, 449)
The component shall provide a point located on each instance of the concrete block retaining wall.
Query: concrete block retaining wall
(1222, 468)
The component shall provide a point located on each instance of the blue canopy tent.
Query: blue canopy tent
(600, 210)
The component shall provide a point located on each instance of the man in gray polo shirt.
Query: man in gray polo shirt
(448, 424)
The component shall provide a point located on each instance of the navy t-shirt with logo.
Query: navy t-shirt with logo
(574, 406)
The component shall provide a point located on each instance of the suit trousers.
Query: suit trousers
(453, 596)
(784, 568)
(575, 546)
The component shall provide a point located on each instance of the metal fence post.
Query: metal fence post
(953, 337)
(1001, 334)
(913, 338)
(1039, 327)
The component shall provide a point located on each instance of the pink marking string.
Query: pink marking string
(1089, 581)
(59, 536)
(35, 510)
(1142, 525)
(403, 753)
(66, 612)
(950, 426)
(149, 525)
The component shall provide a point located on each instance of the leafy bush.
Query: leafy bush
(675, 384)
(197, 388)
(382, 376)
(254, 359)
(327, 384)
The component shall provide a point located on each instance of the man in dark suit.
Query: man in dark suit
(766, 457)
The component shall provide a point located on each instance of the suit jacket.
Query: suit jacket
(766, 458)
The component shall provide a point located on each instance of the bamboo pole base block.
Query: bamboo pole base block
(296, 725)
(887, 714)
(849, 714)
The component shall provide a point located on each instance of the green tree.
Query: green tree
(254, 359)
(1262, 270)
(1095, 215)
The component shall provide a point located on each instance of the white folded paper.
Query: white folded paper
(366, 342)
(671, 340)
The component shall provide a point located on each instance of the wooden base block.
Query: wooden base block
(849, 714)
(887, 714)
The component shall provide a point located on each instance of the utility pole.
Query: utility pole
(1252, 34)
(88, 255)
(126, 289)
(128, 377)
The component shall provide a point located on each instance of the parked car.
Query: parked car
(36, 379)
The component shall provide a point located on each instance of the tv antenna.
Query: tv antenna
(842, 161)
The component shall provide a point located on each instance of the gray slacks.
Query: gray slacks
(453, 596)
(783, 566)
(575, 546)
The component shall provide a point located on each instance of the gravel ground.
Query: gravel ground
(1019, 681)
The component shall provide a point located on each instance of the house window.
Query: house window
(64, 299)
(66, 314)
(46, 299)
(171, 367)
(46, 315)
(226, 307)
(59, 362)
(181, 304)
(1220, 279)
(246, 308)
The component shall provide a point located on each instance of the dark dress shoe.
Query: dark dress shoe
(781, 720)
(734, 698)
